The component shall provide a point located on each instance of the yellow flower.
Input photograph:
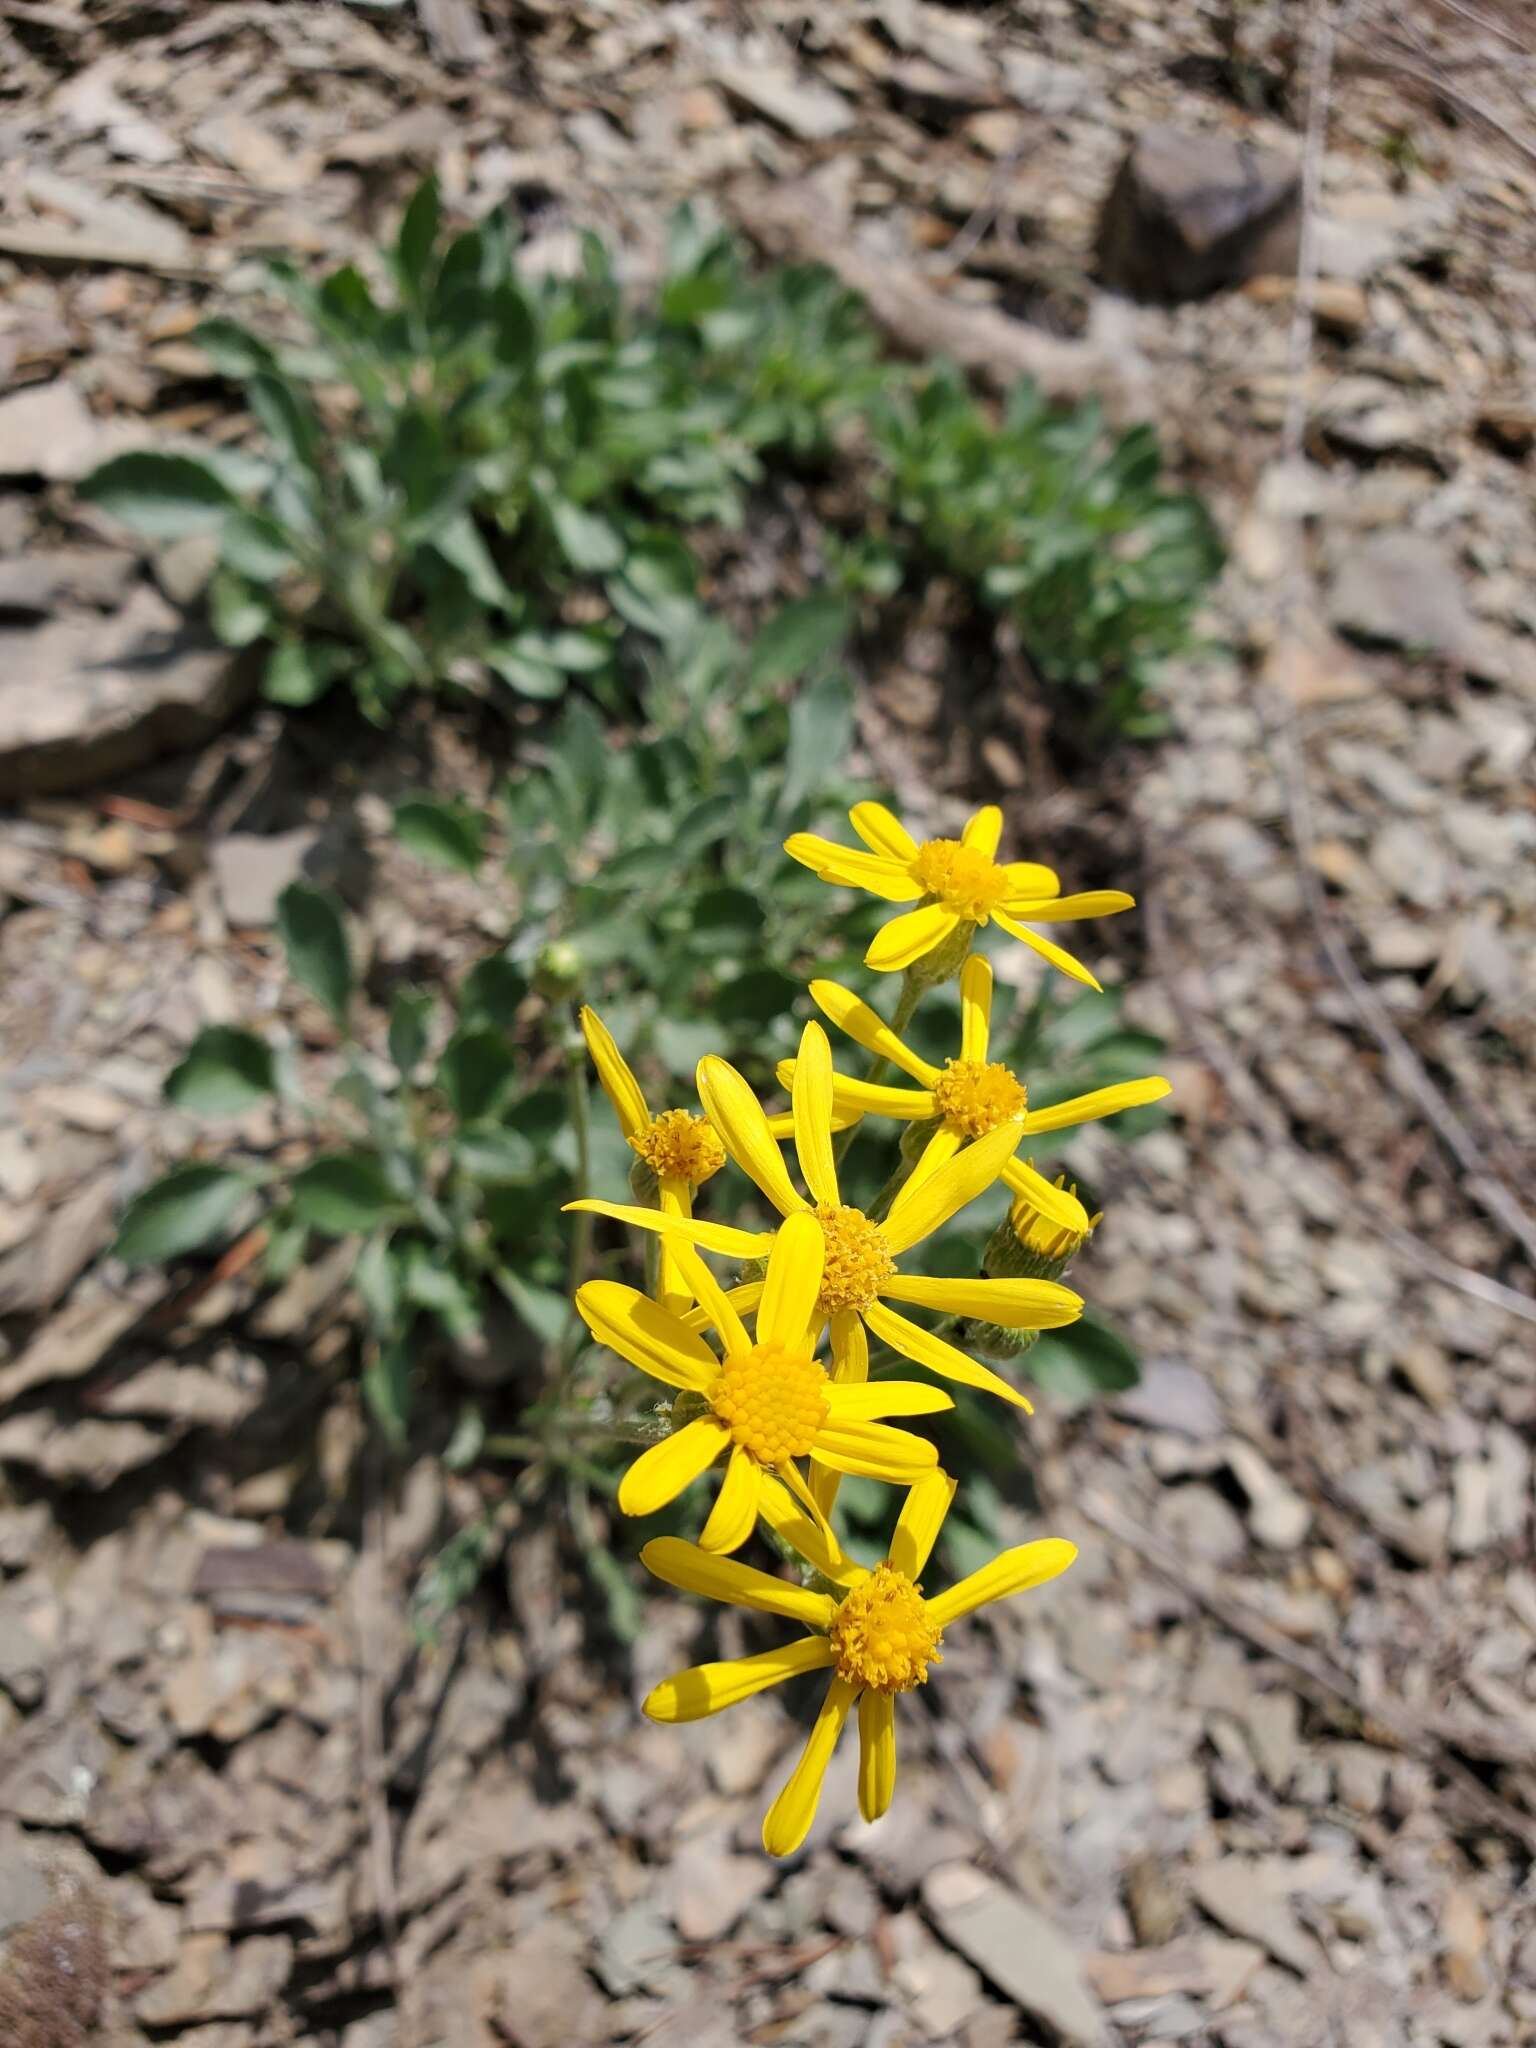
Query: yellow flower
(768, 1401)
(953, 882)
(970, 1096)
(858, 1278)
(680, 1149)
(877, 1634)
(1058, 1239)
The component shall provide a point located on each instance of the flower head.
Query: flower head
(956, 885)
(766, 1400)
(857, 1274)
(876, 1632)
(968, 1097)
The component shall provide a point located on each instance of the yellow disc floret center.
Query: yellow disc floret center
(677, 1146)
(960, 878)
(976, 1098)
(772, 1401)
(858, 1260)
(881, 1634)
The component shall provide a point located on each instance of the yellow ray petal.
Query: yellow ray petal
(1013, 1304)
(918, 1524)
(647, 1334)
(939, 1150)
(852, 869)
(674, 1198)
(923, 1348)
(737, 1116)
(1057, 955)
(854, 1099)
(792, 1283)
(743, 1299)
(975, 1007)
(734, 1514)
(872, 1450)
(718, 1308)
(1098, 1102)
(851, 1014)
(920, 1210)
(877, 1753)
(883, 832)
(693, 1570)
(813, 1539)
(690, 1695)
(1066, 909)
(850, 1349)
(788, 1820)
(876, 1398)
(660, 1474)
(909, 937)
(714, 1237)
(1053, 1203)
(1028, 881)
(811, 1106)
(983, 829)
(618, 1083)
(782, 1125)
(1031, 1564)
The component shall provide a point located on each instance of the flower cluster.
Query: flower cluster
(770, 1378)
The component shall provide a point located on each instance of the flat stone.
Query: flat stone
(1249, 1900)
(24, 1889)
(1277, 1514)
(1015, 1948)
(1402, 590)
(811, 112)
(634, 1949)
(1201, 1523)
(47, 430)
(83, 700)
(711, 1888)
(1189, 212)
(251, 870)
(214, 1980)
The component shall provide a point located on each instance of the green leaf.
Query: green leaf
(300, 671)
(431, 1283)
(1085, 1359)
(256, 546)
(477, 1072)
(460, 543)
(233, 350)
(417, 239)
(180, 1213)
(546, 1313)
(495, 1155)
(445, 833)
(491, 992)
(468, 1440)
(410, 1024)
(820, 730)
(796, 638)
(163, 496)
(239, 614)
(526, 671)
(590, 543)
(289, 422)
(309, 922)
(225, 1072)
(376, 1274)
(387, 1390)
(343, 1194)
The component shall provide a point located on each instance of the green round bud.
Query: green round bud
(558, 969)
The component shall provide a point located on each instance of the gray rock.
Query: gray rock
(1201, 1523)
(1015, 1948)
(1402, 590)
(1189, 212)
(24, 1890)
(1249, 1899)
(47, 430)
(83, 700)
(1043, 86)
(811, 112)
(634, 1949)
(251, 870)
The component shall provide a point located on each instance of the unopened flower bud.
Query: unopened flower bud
(557, 970)
(1030, 1246)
